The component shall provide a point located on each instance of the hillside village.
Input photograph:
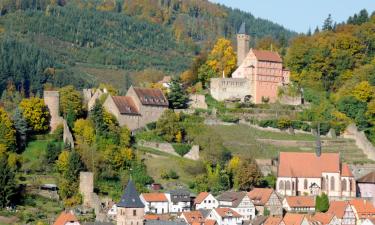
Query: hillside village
(243, 137)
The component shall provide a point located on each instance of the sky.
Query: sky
(300, 15)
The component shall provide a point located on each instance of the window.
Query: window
(281, 185)
(305, 184)
(332, 183)
(343, 185)
(287, 185)
(134, 212)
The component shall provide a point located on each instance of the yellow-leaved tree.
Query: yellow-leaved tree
(7, 131)
(222, 58)
(363, 91)
(84, 131)
(36, 114)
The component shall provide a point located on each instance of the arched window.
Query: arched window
(323, 185)
(305, 184)
(343, 185)
(287, 185)
(332, 183)
(350, 186)
(281, 185)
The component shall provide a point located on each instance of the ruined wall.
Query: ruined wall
(229, 88)
(86, 187)
(289, 100)
(67, 135)
(52, 100)
(360, 140)
(193, 154)
(197, 101)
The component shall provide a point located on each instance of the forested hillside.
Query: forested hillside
(336, 69)
(68, 39)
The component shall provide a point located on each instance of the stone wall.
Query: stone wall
(289, 100)
(193, 154)
(52, 100)
(361, 140)
(86, 187)
(197, 102)
(230, 88)
(67, 135)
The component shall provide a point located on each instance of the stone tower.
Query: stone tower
(130, 209)
(52, 100)
(243, 44)
(86, 187)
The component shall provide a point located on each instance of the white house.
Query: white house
(239, 202)
(325, 219)
(156, 203)
(225, 216)
(193, 217)
(112, 210)
(66, 218)
(309, 174)
(369, 221)
(205, 200)
(343, 211)
(300, 204)
(295, 219)
(179, 201)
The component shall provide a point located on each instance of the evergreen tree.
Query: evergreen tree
(362, 17)
(8, 184)
(177, 97)
(22, 129)
(309, 32)
(97, 116)
(316, 30)
(52, 152)
(322, 203)
(328, 23)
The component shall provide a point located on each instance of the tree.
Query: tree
(247, 175)
(22, 129)
(222, 58)
(177, 97)
(52, 152)
(363, 91)
(8, 183)
(168, 125)
(84, 131)
(70, 102)
(328, 23)
(351, 106)
(10, 97)
(36, 114)
(322, 203)
(205, 73)
(97, 116)
(7, 131)
(125, 137)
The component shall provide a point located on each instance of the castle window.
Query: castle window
(332, 183)
(343, 185)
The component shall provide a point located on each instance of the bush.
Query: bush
(181, 149)
(284, 123)
(151, 126)
(173, 174)
(229, 118)
(268, 123)
(148, 136)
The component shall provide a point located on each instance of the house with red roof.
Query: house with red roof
(273, 220)
(324, 219)
(225, 216)
(66, 218)
(205, 200)
(299, 204)
(266, 198)
(366, 186)
(302, 174)
(193, 217)
(295, 219)
(155, 203)
(343, 211)
(139, 107)
(369, 221)
(363, 209)
(240, 202)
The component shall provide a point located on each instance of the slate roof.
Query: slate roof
(125, 105)
(130, 198)
(180, 195)
(295, 164)
(234, 197)
(151, 96)
(368, 178)
(269, 56)
(242, 29)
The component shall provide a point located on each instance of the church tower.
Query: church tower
(243, 44)
(130, 209)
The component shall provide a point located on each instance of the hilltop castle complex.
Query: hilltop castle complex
(258, 76)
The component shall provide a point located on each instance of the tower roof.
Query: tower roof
(242, 29)
(130, 198)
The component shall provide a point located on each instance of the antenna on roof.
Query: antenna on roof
(318, 142)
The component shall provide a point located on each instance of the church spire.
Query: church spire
(130, 198)
(242, 29)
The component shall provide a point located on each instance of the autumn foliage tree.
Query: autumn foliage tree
(222, 58)
(7, 131)
(36, 114)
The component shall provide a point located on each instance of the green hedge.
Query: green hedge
(229, 118)
(181, 149)
(148, 136)
(283, 123)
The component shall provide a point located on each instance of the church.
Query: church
(258, 77)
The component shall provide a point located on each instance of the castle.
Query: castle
(258, 76)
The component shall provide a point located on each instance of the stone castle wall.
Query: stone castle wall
(230, 88)
(193, 154)
(67, 135)
(52, 100)
(360, 140)
(86, 187)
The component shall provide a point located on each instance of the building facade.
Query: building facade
(308, 174)
(266, 199)
(155, 203)
(179, 201)
(240, 202)
(299, 204)
(130, 209)
(225, 216)
(366, 187)
(205, 200)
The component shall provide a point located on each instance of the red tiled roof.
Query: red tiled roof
(210, 222)
(293, 219)
(193, 217)
(125, 105)
(270, 56)
(151, 96)
(154, 197)
(163, 217)
(345, 171)
(65, 217)
(227, 212)
(337, 208)
(300, 201)
(199, 199)
(273, 220)
(323, 218)
(368, 178)
(260, 196)
(296, 164)
(364, 208)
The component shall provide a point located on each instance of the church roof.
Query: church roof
(369, 178)
(298, 164)
(242, 29)
(151, 96)
(125, 105)
(345, 171)
(130, 198)
(269, 56)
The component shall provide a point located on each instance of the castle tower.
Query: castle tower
(52, 100)
(130, 209)
(243, 44)
(86, 187)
